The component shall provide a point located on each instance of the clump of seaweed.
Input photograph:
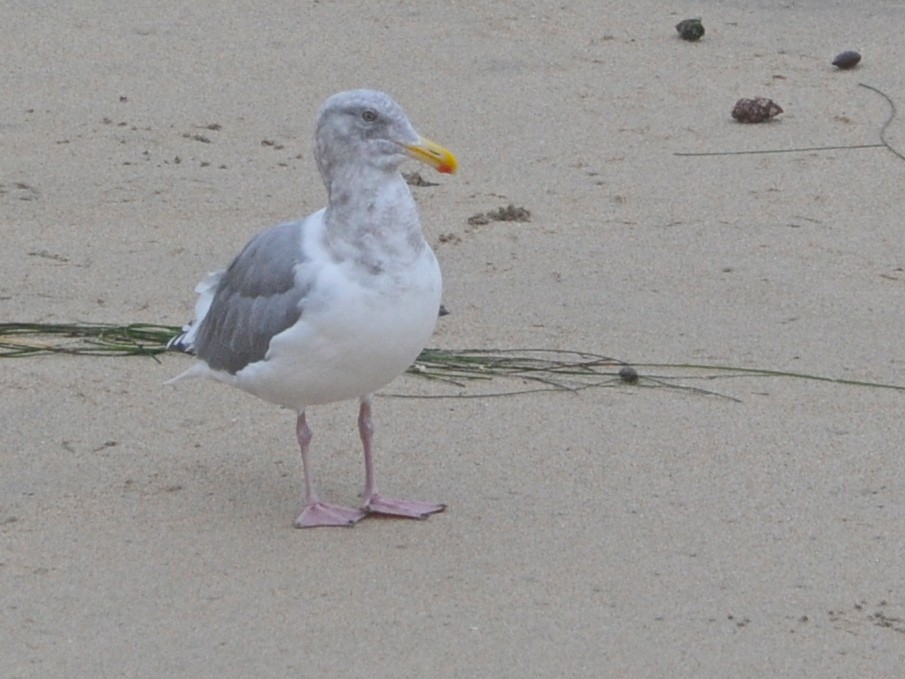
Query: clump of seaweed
(535, 370)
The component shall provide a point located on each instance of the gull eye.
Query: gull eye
(369, 115)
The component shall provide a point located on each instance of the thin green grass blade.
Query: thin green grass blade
(538, 370)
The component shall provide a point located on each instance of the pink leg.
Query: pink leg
(373, 502)
(315, 512)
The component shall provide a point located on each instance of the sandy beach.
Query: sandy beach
(623, 531)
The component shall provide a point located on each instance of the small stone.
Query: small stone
(690, 29)
(846, 60)
(628, 374)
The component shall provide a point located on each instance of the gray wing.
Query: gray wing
(257, 298)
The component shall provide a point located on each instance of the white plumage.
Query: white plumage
(336, 305)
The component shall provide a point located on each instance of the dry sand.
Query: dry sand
(146, 531)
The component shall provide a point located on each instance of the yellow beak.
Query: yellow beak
(431, 153)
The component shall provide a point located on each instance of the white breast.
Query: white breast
(356, 335)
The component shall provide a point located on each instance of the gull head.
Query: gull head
(367, 128)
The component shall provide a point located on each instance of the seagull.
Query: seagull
(336, 305)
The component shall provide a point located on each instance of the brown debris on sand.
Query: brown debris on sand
(757, 110)
(510, 213)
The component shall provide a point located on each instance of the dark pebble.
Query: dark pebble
(690, 29)
(846, 60)
(628, 374)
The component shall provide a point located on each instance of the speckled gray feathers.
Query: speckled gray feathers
(257, 298)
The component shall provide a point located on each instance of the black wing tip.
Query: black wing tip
(178, 343)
